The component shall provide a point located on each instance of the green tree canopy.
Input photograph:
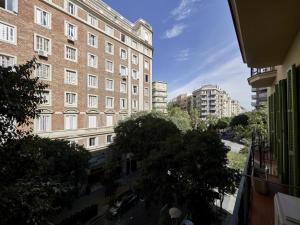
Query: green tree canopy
(38, 176)
(180, 118)
(242, 119)
(178, 169)
(20, 94)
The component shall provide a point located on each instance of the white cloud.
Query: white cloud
(184, 10)
(183, 55)
(230, 76)
(175, 31)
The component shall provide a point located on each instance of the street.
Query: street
(235, 147)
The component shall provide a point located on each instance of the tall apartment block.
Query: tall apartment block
(211, 100)
(159, 96)
(97, 63)
(259, 97)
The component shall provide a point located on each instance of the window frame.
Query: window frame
(49, 52)
(106, 69)
(66, 2)
(75, 30)
(92, 107)
(50, 71)
(65, 98)
(88, 40)
(88, 81)
(88, 60)
(112, 45)
(126, 104)
(65, 74)
(76, 53)
(37, 123)
(76, 121)
(113, 102)
(49, 26)
(113, 85)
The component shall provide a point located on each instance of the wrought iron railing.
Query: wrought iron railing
(240, 214)
(257, 71)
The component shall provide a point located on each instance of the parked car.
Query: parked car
(122, 203)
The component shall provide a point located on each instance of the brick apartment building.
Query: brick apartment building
(97, 63)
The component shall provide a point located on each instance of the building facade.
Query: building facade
(259, 97)
(97, 63)
(274, 58)
(184, 101)
(210, 100)
(159, 96)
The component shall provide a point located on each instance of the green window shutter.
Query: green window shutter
(293, 136)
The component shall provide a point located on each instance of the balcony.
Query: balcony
(254, 104)
(255, 199)
(262, 77)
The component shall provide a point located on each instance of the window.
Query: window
(70, 7)
(71, 53)
(123, 54)
(123, 70)
(44, 123)
(43, 71)
(135, 74)
(92, 121)
(42, 18)
(7, 33)
(46, 97)
(70, 30)
(109, 48)
(134, 44)
(123, 38)
(146, 91)
(92, 101)
(70, 99)
(135, 89)
(146, 78)
(109, 66)
(146, 51)
(123, 103)
(123, 87)
(92, 40)
(135, 59)
(92, 60)
(109, 120)
(109, 30)
(135, 104)
(92, 20)
(109, 139)
(92, 142)
(109, 85)
(70, 77)
(147, 36)
(147, 65)
(70, 122)
(6, 61)
(42, 44)
(109, 102)
(11, 5)
(92, 81)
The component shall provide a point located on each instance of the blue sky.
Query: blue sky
(194, 44)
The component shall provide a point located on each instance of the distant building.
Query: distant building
(211, 100)
(259, 97)
(159, 96)
(184, 101)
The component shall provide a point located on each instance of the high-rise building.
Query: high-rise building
(211, 100)
(259, 97)
(159, 96)
(97, 63)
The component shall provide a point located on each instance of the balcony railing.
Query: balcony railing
(241, 209)
(257, 71)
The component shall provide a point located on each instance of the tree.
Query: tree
(38, 176)
(222, 123)
(197, 122)
(180, 118)
(177, 169)
(20, 94)
(242, 119)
